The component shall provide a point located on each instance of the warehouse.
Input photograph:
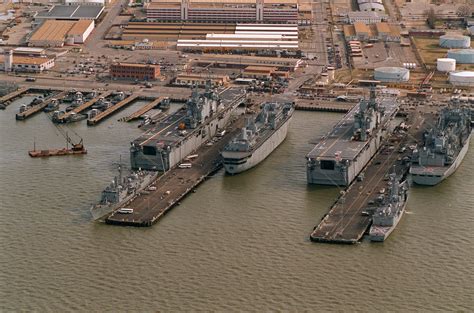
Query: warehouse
(30, 52)
(280, 11)
(54, 33)
(71, 12)
(201, 79)
(28, 64)
(134, 71)
(368, 17)
(259, 72)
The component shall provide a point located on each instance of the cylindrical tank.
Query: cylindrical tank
(8, 66)
(446, 65)
(462, 56)
(464, 78)
(455, 41)
(392, 74)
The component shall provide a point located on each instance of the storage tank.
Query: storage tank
(455, 41)
(462, 56)
(392, 74)
(446, 65)
(464, 78)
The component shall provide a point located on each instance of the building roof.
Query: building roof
(382, 28)
(349, 30)
(361, 27)
(52, 30)
(80, 27)
(29, 50)
(369, 6)
(253, 68)
(26, 60)
(72, 12)
(135, 64)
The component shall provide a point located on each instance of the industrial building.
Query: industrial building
(371, 5)
(86, 2)
(259, 72)
(391, 74)
(30, 52)
(134, 71)
(14, 63)
(464, 78)
(367, 17)
(462, 56)
(71, 12)
(54, 33)
(378, 31)
(191, 79)
(242, 61)
(266, 11)
(454, 41)
(247, 37)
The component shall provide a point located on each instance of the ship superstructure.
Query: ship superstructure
(390, 209)
(262, 134)
(121, 190)
(444, 147)
(178, 135)
(340, 156)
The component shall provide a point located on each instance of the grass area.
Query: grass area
(429, 50)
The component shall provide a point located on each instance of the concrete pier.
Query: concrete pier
(103, 115)
(147, 107)
(39, 107)
(5, 100)
(64, 118)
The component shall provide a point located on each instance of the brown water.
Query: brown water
(239, 244)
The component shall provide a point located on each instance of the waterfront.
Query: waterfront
(239, 244)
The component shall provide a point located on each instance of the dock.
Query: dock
(7, 98)
(63, 118)
(39, 107)
(347, 220)
(174, 185)
(103, 115)
(147, 107)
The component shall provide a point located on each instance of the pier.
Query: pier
(174, 185)
(325, 106)
(103, 115)
(64, 118)
(5, 100)
(147, 107)
(349, 217)
(39, 107)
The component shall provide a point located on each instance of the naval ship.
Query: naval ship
(258, 138)
(444, 147)
(178, 135)
(390, 209)
(340, 155)
(122, 190)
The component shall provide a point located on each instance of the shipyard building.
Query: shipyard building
(11, 62)
(57, 33)
(134, 71)
(266, 11)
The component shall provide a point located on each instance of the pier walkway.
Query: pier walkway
(103, 115)
(6, 98)
(83, 107)
(38, 107)
(147, 107)
(174, 185)
(349, 218)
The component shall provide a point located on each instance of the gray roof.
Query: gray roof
(73, 12)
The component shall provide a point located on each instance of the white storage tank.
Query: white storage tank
(446, 65)
(462, 56)
(464, 78)
(455, 41)
(392, 74)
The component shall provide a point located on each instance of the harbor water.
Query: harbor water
(240, 243)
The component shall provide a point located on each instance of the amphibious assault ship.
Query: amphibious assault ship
(390, 209)
(258, 138)
(444, 147)
(178, 135)
(340, 155)
(122, 190)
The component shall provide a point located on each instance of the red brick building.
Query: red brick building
(134, 71)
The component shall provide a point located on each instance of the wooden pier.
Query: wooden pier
(38, 107)
(64, 118)
(103, 115)
(5, 100)
(348, 218)
(174, 185)
(147, 107)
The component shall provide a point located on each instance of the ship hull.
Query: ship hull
(381, 233)
(261, 153)
(431, 176)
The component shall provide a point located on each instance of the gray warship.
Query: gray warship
(340, 155)
(121, 190)
(258, 138)
(390, 209)
(444, 147)
(178, 135)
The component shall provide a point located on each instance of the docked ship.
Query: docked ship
(390, 209)
(444, 147)
(121, 191)
(341, 155)
(169, 141)
(258, 138)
